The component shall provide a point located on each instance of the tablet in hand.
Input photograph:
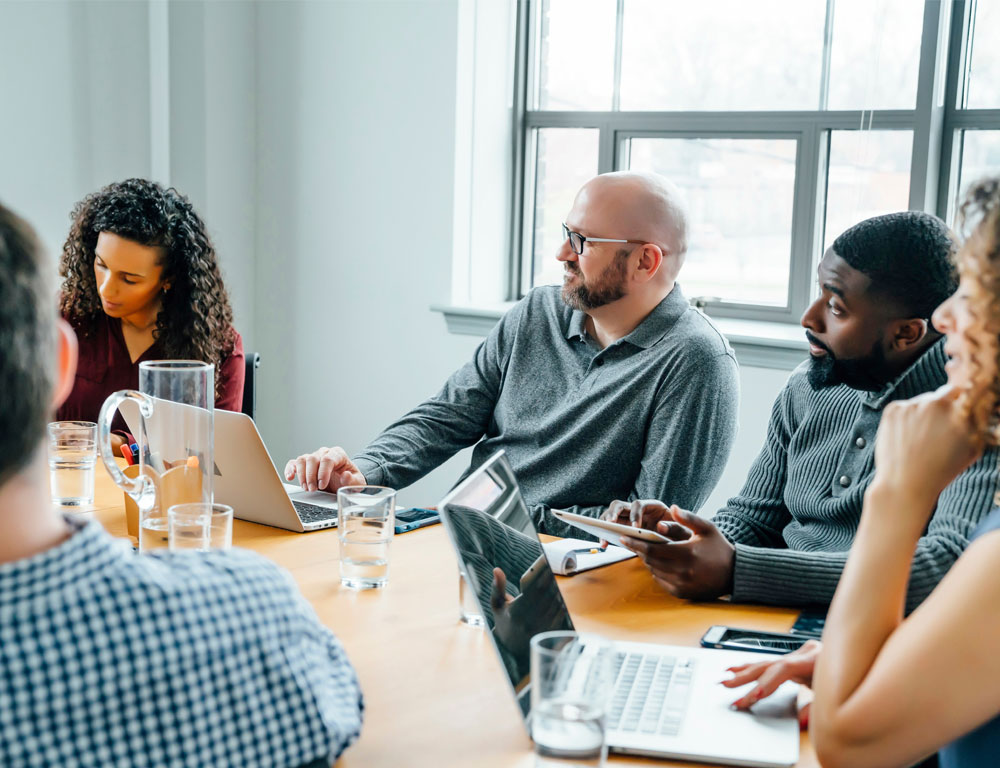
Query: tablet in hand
(607, 530)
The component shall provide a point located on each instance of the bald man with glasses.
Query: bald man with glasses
(609, 387)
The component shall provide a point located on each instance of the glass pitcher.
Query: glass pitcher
(171, 420)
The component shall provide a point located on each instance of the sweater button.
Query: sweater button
(599, 363)
(844, 481)
(861, 442)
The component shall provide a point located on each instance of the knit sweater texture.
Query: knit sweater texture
(795, 518)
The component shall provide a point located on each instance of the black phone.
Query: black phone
(735, 639)
(415, 517)
(810, 623)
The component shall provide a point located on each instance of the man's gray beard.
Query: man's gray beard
(610, 287)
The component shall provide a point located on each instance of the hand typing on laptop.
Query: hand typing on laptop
(697, 564)
(797, 666)
(325, 469)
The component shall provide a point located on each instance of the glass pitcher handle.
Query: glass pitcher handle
(141, 489)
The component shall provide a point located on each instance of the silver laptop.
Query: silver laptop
(667, 700)
(245, 477)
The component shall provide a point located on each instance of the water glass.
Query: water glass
(571, 683)
(470, 612)
(72, 454)
(188, 527)
(365, 531)
(200, 526)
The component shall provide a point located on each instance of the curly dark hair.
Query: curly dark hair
(979, 262)
(195, 321)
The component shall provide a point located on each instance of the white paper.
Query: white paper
(565, 561)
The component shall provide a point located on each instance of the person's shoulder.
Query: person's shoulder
(237, 574)
(235, 345)
(701, 340)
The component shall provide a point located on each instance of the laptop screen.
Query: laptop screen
(505, 565)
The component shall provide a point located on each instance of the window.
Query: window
(783, 121)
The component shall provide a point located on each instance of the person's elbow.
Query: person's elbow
(841, 742)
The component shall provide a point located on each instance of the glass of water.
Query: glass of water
(201, 526)
(188, 526)
(72, 454)
(365, 530)
(571, 682)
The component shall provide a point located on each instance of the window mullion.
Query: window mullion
(804, 220)
(619, 33)
(929, 117)
(824, 83)
(956, 82)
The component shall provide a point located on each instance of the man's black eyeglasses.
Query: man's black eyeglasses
(576, 240)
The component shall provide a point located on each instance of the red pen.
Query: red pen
(126, 453)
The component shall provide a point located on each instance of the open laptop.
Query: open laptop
(245, 477)
(667, 700)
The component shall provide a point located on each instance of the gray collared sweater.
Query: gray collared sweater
(795, 518)
(652, 415)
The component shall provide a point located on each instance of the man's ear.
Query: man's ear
(650, 261)
(909, 332)
(66, 356)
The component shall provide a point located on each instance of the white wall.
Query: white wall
(355, 127)
(73, 79)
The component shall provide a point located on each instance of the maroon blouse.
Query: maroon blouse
(105, 367)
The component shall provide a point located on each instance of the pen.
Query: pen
(126, 454)
(589, 550)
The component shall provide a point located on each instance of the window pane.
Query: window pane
(565, 159)
(576, 65)
(871, 67)
(722, 54)
(869, 174)
(980, 157)
(984, 63)
(739, 194)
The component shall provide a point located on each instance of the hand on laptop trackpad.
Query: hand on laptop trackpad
(781, 703)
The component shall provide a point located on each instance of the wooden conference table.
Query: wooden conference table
(434, 692)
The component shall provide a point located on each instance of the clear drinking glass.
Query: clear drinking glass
(188, 526)
(72, 454)
(571, 682)
(365, 529)
(200, 526)
(470, 612)
(173, 412)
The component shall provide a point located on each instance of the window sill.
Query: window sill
(758, 344)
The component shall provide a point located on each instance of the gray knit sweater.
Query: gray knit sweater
(795, 518)
(652, 415)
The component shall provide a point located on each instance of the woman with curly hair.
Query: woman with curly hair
(142, 283)
(890, 690)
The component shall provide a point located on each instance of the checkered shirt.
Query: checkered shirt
(109, 658)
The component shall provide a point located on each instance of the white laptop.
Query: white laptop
(667, 700)
(245, 477)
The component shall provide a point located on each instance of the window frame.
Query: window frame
(935, 122)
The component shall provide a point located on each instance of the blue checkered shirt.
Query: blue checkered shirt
(109, 658)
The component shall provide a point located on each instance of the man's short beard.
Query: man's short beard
(868, 373)
(608, 287)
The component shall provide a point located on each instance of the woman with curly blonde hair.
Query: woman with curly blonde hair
(142, 282)
(889, 690)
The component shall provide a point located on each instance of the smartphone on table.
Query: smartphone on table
(735, 639)
(415, 517)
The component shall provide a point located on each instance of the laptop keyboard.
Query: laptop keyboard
(651, 693)
(310, 513)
